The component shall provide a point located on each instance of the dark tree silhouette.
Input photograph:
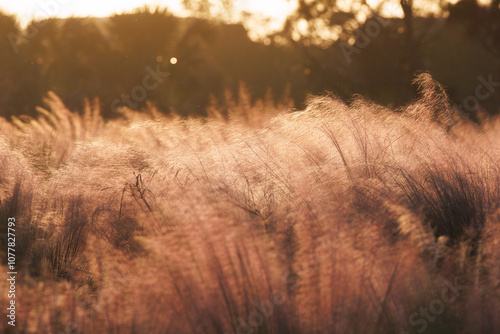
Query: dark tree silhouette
(481, 22)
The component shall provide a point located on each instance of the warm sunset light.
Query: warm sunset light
(250, 166)
(28, 9)
(277, 10)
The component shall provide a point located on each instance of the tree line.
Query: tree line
(185, 64)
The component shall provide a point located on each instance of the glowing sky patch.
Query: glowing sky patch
(26, 10)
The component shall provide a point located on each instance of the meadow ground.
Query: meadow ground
(336, 219)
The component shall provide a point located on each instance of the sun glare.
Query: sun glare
(39, 9)
(276, 10)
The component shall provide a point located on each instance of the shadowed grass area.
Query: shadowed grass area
(336, 219)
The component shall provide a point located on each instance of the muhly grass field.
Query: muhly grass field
(336, 219)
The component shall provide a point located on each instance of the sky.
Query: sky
(25, 10)
(276, 10)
